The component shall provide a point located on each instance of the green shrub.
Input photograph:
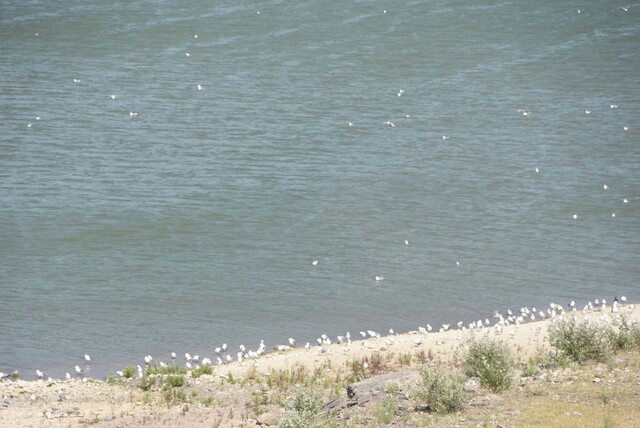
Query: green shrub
(581, 341)
(384, 412)
(128, 372)
(306, 412)
(530, 371)
(205, 369)
(490, 362)
(164, 370)
(442, 391)
(625, 334)
(174, 381)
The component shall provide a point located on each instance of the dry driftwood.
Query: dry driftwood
(371, 389)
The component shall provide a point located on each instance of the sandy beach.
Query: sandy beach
(227, 397)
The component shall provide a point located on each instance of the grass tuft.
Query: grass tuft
(205, 369)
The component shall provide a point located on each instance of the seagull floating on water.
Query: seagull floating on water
(199, 87)
(625, 200)
(187, 54)
(379, 278)
(605, 187)
(112, 96)
(587, 112)
(614, 106)
(575, 216)
(87, 358)
(315, 262)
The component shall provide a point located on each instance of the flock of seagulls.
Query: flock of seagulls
(223, 355)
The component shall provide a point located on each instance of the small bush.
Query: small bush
(202, 370)
(306, 412)
(174, 381)
(442, 391)
(166, 370)
(530, 371)
(385, 411)
(625, 334)
(128, 372)
(490, 362)
(581, 341)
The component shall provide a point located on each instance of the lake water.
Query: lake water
(196, 221)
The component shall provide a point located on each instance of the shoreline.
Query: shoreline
(271, 349)
(234, 385)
